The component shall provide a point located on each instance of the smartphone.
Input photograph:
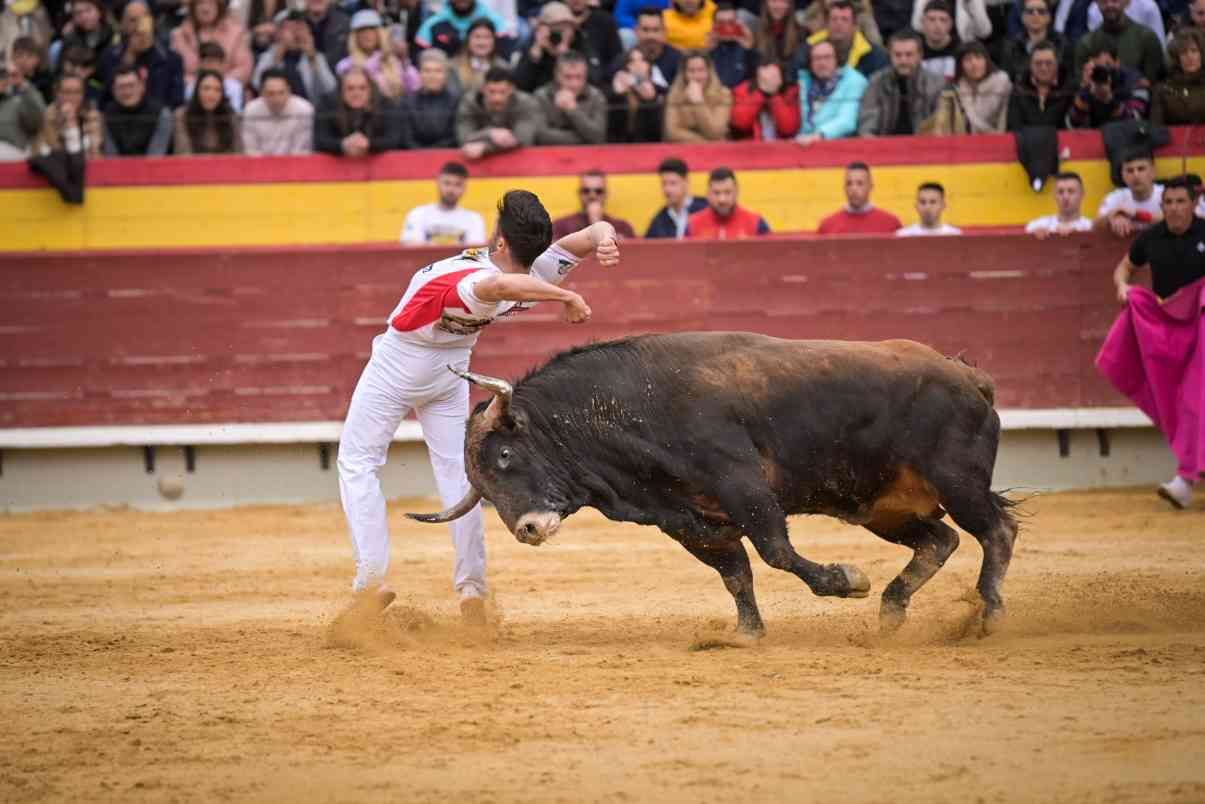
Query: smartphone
(730, 30)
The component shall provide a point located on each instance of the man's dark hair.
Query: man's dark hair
(595, 173)
(525, 224)
(845, 4)
(939, 5)
(720, 174)
(1046, 44)
(906, 35)
(271, 73)
(495, 75)
(454, 169)
(570, 57)
(1069, 175)
(1098, 46)
(857, 166)
(211, 50)
(26, 44)
(1137, 154)
(1180, 183)
(725, 5)
(648, 11)
(80, 55)
(126, 69)
(932, 185)
(673, 165)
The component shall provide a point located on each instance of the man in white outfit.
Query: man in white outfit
(930, 204)
(445, 222)
(435, 325)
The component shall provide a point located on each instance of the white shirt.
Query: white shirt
(1143, 212)
(266, 133)
(441, 309)
(1143, 12)
(433, 224)
(916, 230)
(1050, 223)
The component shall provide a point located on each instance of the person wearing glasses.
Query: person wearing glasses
(592, 193)
(1037, 21)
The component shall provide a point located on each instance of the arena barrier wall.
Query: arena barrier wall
(220, 202)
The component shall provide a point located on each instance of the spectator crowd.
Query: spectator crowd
(356, 77)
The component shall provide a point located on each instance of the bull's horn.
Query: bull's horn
(501, 389)
(455, 512)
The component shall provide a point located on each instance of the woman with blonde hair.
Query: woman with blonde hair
(371, 48)
(479, 54)
(698, 106)
(211, 21)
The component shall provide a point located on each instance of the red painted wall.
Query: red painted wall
(269, 336)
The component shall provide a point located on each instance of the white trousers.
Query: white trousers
(401, 377)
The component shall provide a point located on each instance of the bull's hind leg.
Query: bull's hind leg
(932, 542)
(732, 562)
(986, 517)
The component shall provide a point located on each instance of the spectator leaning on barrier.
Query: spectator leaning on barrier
(162, 68)
(724, 218)
(278, 123)
(480, 53)
(1039, 98)
(698, 106)
(445, 222)
(212, 21)
(829, 97)
(356, 122)
(1068, 198)
(977, 103)
(1108, 91)
(636, 101)
(730, 44)
(1180, 100)
(21, 112)
(207, 124)
(213, 59)
(765, 108)
(930, 204)
(901, 99)
(1133, 45)
(688, 22)
(853, 49)
(497, 117)
(940, 53)
(592, 195)
(574, 112)
(295, 52)
(671, 220)
(1136, 206)
(72, 123)
(329, 26)
(135, 123)
(430, 113)
(859, 216)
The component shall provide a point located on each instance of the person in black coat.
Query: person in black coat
(1040, 97)
(357, 121)
(430, 113)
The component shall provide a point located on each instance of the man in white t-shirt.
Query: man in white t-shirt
(1136, 206)
(445, 222)
(433, 328)
(930, 204)
(1068, 198)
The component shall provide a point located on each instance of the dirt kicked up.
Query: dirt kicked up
(189, 657)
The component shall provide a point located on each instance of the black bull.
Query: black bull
(717, 436)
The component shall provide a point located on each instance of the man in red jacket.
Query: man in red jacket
(859, 215)
(724, 219)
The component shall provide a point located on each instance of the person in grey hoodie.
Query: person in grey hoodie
(902, 98)
(497, 117)
(575, 113)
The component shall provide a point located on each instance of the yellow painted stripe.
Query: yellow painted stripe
(349, 212)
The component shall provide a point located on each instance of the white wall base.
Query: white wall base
(243, 474)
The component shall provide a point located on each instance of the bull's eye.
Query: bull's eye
(504, 458)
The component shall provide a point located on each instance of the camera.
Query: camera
(1101, 75)
(555, 37)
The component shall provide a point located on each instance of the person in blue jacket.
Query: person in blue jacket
(829, 96)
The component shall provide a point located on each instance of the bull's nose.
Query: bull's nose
(528, 531)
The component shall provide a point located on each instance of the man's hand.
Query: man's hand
(540, 42)
(575, 310)
(1121, 225)
(805, 140)
(503, 138)
(565, 100)
(473, 150)
(305, 41)
(1123, 291)
(1043, 234)
(607, 252)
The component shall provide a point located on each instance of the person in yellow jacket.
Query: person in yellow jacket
(687, 23)
(853, 48)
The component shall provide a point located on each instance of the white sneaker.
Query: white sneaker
(1177, 491)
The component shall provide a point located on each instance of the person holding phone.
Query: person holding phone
(730, 44)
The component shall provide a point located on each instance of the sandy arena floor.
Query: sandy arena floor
(186, 656)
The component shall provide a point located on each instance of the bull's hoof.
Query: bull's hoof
(855, 583)
(993, 620)
(753, 632)
(891, 617)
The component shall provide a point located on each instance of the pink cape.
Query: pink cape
(1154, 356)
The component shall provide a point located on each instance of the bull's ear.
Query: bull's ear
(515, 420)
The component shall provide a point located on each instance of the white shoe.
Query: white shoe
(1177, 491)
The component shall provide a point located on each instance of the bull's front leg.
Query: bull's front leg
(757, 513)
(728, 557)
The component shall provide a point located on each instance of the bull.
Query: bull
(714, 437)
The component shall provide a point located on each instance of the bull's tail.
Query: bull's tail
(978, 377)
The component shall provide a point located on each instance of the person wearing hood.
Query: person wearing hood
(977, 102)
(1181, 99)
